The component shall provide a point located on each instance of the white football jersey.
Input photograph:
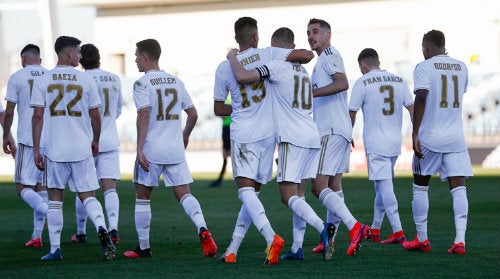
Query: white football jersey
(381, 96)
(330, 112)
(290, 89)
(110, 91)
(252, 109)
(167, 97)
(446, 79)
(19, 91)
(67, 95)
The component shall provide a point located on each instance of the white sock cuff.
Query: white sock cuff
(420, 188)
(292, 200)
(457, 189)
(55, 205)
(109, 191)
(89, 200)
(325, 192)
(43, 194)
(244, 190)
(23, 192)
(142, 205)
(185, 197)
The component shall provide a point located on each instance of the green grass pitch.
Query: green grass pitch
(177, 252)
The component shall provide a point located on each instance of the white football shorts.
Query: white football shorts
(173, 175)
(26, 173)
(380, 167)
(108, 164)
(253, 160)
(80, 176)
(296, 163)
(447, 164)
(334, 155)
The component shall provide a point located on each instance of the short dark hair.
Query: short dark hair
(64, 42)
(90, 57)
(284, 36)
(244, 27)
(368, 53)
(435, 37)
(31, 49)
(150, 47)
(321, 22)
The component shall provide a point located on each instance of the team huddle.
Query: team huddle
(67, 135)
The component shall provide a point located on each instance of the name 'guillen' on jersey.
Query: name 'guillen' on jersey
(162, 80)
(382, 79)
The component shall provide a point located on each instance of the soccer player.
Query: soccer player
(66, 105)
(252, 134)
(438, 138)
(160, 99)
(28, 177)
(289, 87)
(331, 113)
(11, 147)
(226, 147)
(381, 96)
(107, 161)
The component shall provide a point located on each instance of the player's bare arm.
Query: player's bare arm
(418, 114)
(302, 56)
(410, 111)
(95, 121)
(6, 118)
(142, 131)
(37, 125)
(192, 117)
(340, 84)
(222, 109)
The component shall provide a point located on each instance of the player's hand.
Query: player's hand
(95, 148)
(417, 147)
(143, 161)
(9, 147)
(39, 162)
(232, 53)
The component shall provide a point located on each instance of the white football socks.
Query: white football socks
(460, 209)
(420, 208)
(193, 210)
(112, 204)
(143, 221)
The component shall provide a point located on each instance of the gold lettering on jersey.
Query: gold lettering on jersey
(70, 77)
(36, 73)
(107, 79)
(447, 66)
(162, 80)
(250, 59)
(297, 68)
(378, 79)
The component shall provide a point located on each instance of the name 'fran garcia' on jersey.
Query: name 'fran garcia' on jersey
(162, 80)
(377, 79)
(447, 66)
